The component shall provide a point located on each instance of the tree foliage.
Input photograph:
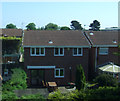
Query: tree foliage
(64, 28)
(11, 26)
(95, 26)
(80, 77)
(51, 26)
(75, 25)
(31, 26)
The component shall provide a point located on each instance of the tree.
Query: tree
(11, 26)
(80, 77)
(31, 26)
(64, 28)
(95, 26)
(51, 26)
(75, 25)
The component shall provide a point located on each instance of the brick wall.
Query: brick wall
(66, 61)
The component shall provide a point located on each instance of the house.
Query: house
(10, 53)
(103, 46)
(10, 48)
(54, 55)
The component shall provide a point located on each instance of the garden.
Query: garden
(17, 82)
(102, 87)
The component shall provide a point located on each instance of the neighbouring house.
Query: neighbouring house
(103, 46)
(54, 55)
(10, 48)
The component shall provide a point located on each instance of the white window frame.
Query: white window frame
(77, 52)
(59, 73)
(59, 52)
(35, 51)
(103, 53)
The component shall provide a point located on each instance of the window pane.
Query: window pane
(61, 50)
(33, 50)
(37, 51)
(61, 72)
(75, 51)
(79, 51)
(103, 51)
(57, 72)
(56, 51)
(42, 50)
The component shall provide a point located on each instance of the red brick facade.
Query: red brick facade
(66, 61)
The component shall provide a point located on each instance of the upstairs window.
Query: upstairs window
(77, 51)
(103, 51)
(59, 72)
(58, 51)
(37, 51)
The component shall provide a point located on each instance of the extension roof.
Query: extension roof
(103, 38)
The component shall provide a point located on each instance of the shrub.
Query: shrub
(17, 81)
(8, 95)
(80, 78)
(103, 93)
(56, 95)
(35, 96)
(76, 95)
(106, 80)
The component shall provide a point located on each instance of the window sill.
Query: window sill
(59, 76)
(58, 55)
(77, 55)
(37, 55)
(103, 53)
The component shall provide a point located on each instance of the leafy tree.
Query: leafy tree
(42, 28)
(65, 28)
(11, 26)
(75, 25)
(80, 77)
(51, 26)
(31, 26)
(95, 26)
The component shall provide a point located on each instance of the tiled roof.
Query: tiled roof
(56, 38)
(103, 37)
(11, 32)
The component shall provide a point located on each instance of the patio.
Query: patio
(43, 91)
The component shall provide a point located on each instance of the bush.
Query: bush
(76, 95)
(56, 95)
(8, 95)
(88, 94)
(17, 81)
(106, 80)
(35, 96)
(103, 93)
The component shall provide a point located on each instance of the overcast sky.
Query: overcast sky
(60, 13)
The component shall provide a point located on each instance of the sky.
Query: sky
(60, 13)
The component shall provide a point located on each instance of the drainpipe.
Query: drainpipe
(95, 58)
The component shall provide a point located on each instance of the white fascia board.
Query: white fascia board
(40, 67)
(105, 45)
(61, 46)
